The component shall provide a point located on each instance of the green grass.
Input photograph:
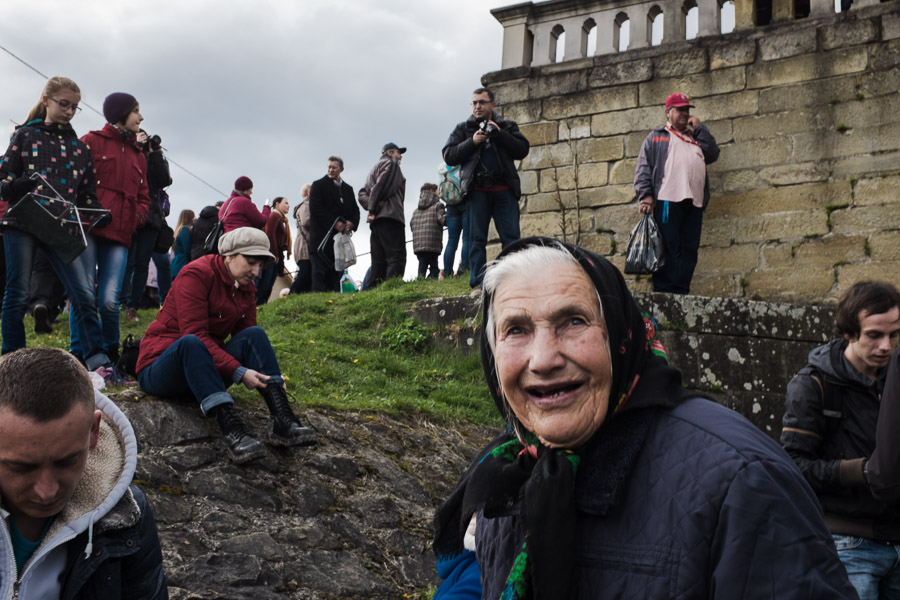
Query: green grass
(359, 352)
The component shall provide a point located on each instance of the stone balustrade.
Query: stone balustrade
(532, 31)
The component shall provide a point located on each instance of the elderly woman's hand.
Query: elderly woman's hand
(253, 380)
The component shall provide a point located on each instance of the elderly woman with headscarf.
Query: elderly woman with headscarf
(612, 481)
(185, 352)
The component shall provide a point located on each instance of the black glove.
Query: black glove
(21, 186)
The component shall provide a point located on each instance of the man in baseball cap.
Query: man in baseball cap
(671, 183)
(383, 197)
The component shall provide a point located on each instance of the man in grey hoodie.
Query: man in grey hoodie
(72, 525)
(830, 421)
(383, 197)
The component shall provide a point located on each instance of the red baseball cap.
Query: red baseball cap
(678, 100)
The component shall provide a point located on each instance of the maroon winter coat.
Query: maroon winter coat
(239, 211)
(121, 183)
(204, 302)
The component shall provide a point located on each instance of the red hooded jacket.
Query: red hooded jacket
(204, 302)
(121, 183)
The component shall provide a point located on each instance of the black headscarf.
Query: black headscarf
(544, 482)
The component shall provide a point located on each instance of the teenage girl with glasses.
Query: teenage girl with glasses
(46, 153)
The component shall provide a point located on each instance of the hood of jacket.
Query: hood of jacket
(101, 501)
(209, 212)
(427, 198)
(829, 359)
(111, 132)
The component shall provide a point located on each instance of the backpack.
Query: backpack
(449, 187)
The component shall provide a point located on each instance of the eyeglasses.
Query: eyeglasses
(480, 102)
(66, 105)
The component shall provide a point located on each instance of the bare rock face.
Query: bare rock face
(350, 517)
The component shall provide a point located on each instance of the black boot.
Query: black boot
(242, 447)
(284, 428)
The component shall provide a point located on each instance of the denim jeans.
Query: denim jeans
(680, 224)
(187, 367)
(138, 266)
(457, 225)
(20, 248)
(104, 265)
(873, 568)
(503, 207)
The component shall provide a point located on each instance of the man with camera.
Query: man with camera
(485, 146)
(383, 197)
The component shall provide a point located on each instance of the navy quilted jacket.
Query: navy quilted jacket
(712, 508)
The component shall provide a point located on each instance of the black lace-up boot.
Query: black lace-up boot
(242, 447)
(284, 428)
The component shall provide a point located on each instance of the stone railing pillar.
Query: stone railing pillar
(744, 14)
(820, 8)
(782, 10)
(606, 27)
(638, 31)
(517, 39)
(708, 21)
(673, 24)
(543, 41)
(576, 38)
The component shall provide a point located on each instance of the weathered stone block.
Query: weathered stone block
(601, 243)
(882, 110)
(717, 231)
(617, 219)
(722, 130)
(852, 220)
(591, 102)
(780, 226)
(728, 106)
(776, 255)
(737, 181)
(753, 153)
(879, 83)
(884, 56)
(806, 196)
(734, 259)
(732, 53)
(856, 166)
(522, 112)
(880, 190)
(529, 182)
(849, 274)
(890, 26)
(633, 143)
(807, 67)
(548, 180)
(511, 91)
(539, 134)
(574, 128)
(809, 284)
(827, 144)
(783, 123)
(628, 121)
(713, 284)
(672, 64)
(550, 84)
(553, 155)
(807, 94)
(697, 85)
(600, 149)
(828, 251)
(631, 71)
(565, 178)
(848, 33)
(622, 171)
(794, 173)
(885, 246)
(593, 175)
(788, 42)
(606, 195)
(551, 224)
(550, 201)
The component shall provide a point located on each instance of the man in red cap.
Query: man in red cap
(671, 182)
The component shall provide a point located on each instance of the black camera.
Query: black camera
(488, 128)
(155, 142)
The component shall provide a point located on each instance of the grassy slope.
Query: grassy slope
(359, 352)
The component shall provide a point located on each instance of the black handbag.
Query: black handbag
(211, 245)
(165, 239)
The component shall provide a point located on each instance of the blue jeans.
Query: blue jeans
(457, 224)
(104, 266)
(873, 568)
(138, 266)
(20, 247)
(503, 207)
(187, 367)
(680, 224)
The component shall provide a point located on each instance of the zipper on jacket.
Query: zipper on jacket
(7, 537)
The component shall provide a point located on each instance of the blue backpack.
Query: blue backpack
(449, 187)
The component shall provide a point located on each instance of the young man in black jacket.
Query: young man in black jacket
(486, 146)
(829, 430)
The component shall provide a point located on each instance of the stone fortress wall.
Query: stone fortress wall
(806, 192)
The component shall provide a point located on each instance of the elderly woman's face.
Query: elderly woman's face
(552, 354)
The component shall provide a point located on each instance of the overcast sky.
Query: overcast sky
(267, 89)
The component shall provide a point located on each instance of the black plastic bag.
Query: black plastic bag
(645, 248)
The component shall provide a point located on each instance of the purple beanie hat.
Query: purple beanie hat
(117, 106)
(243, 183)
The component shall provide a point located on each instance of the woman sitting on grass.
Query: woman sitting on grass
(184, 350)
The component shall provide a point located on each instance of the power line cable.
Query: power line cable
(182, 167)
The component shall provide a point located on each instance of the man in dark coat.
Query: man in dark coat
(830, 424)
(332, 209)
(486, 146)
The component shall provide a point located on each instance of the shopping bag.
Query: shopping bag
(644, 254)
(344, 252)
